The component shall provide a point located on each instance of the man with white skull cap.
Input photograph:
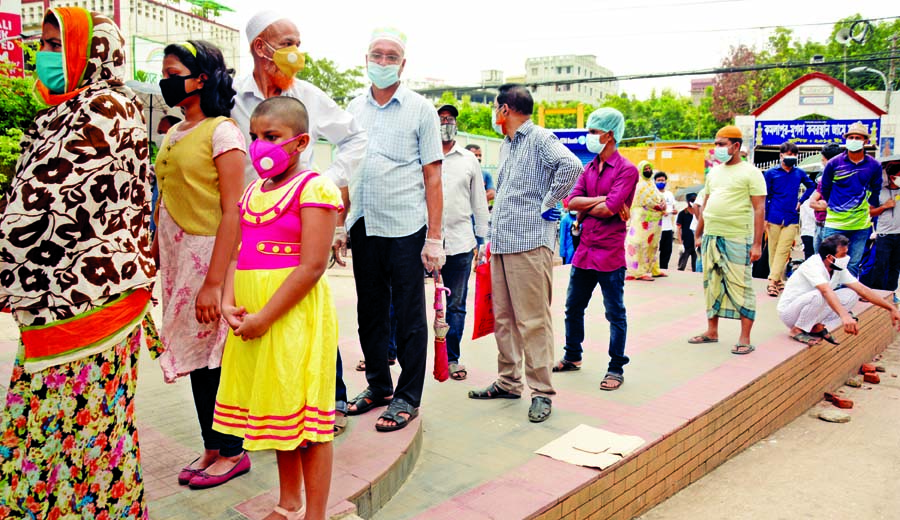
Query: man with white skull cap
(395, 222)
(276, 61)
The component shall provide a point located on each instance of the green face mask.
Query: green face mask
(50, 71)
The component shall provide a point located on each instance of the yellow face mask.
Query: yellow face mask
(289, 60)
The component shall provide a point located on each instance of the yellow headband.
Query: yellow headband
(189, 46)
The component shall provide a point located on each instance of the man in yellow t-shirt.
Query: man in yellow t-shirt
(731, 225)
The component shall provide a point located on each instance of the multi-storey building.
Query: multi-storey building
(569, 67)
(148, 25)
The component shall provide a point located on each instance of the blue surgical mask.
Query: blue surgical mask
(592, 141)
(854, 145)
(383, 76)
(722, 154)
(50, 71)
(497, 128)
(660, 186)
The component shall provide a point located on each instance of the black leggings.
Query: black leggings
(205, 386)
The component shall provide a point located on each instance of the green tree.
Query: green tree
(339, 84)
(474, 118)
(18, 106)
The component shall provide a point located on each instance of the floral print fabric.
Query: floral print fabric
(76, 228)
(644, 230)
(184, 262)
(69, 446)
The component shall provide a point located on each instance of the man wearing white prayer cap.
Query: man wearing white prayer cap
(276, 61)
(395, 224)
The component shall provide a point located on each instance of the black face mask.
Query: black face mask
(173, 91)
(790, 162)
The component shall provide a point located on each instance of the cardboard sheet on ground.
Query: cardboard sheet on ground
(591, 447)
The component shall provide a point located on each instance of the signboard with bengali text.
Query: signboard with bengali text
(811, 133)
(11, 55)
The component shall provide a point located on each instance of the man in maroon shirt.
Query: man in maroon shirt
(602, 194)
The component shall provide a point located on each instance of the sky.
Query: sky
(455, 41)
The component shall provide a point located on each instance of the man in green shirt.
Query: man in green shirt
(731, 224)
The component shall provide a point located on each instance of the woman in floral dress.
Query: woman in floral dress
(645, 226)
(76, 272)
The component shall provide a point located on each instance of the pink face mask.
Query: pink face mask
(270, 159)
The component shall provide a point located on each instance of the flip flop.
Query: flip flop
(702, 338)
(611, 376)
(340, 423)
(742, 349)
(564, 365)
(458, 372)
(824, 334)
(806, 338)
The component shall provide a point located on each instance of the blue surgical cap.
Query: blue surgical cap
(608, 120)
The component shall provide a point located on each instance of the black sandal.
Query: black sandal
(393, 412)
(492, 392)
(564, 365)
(824, 334)
(366, 401)
(540, 409)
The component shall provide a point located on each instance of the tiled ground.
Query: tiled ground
(473, 452)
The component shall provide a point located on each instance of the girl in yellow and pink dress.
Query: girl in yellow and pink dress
(278, 370)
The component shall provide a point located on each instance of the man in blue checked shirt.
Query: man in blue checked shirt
(536, 173)
(393, 235)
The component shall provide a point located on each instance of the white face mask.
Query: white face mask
(592, 141)
(854, 145)
(895, 180)
(840, 263)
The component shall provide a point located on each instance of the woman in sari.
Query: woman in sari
(76, 272)
(645, 226)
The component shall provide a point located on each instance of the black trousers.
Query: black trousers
(887, 262)
(205, 386)
(665, 248)
(808, 249)
(690, 252)
(389, 271)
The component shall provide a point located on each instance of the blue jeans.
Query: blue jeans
(857, 245)
(455, 275)
(581, 288)
(817, 238)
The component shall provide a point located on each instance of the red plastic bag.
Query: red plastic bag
(484, 304)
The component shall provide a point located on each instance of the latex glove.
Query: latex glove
(482, 254)
(433, 256)
(339, 245)
(551, 215)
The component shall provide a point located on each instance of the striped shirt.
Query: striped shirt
(389, 188)
(536, 173)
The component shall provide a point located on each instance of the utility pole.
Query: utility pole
(890, 77)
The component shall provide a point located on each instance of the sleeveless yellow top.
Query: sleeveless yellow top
(188, 179)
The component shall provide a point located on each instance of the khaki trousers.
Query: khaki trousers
(781, 241)
(522, 289)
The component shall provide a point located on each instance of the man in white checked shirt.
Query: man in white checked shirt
(399, 177)
(536, 173)
(464, 202)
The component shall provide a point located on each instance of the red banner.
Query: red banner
(11, 56)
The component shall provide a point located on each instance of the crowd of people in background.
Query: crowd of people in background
(240, 234)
